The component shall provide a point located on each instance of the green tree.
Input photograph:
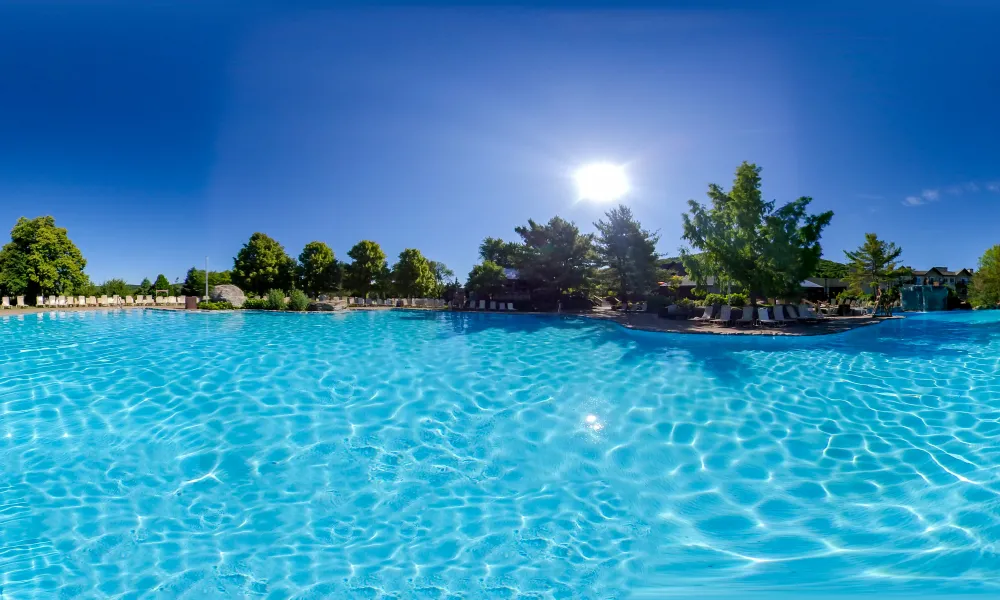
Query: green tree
(412, 276)
(505, 254)
(745, 240)
(872, 264)
(556, 256)
(145, 288)
(628, 251)
(368, 269)
(443, 277)
(162, 283)
(486, 278)
(261, 265)
(115, 287)
(41, 260)
(319, 270)
(194, 281)
(985, 288)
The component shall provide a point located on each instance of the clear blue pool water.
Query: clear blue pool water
(431, 455)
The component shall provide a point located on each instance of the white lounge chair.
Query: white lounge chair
(129, 301)
(747, 317)
(765, 318)
(5, 302)
(39, 301)
(706, 314)
(806, 313)
(725, 314)
(510, 306)
(20, 302)
(60, 300)
(171, 300)
(104, 301)
(81, 301)
(779, 315)
(482, 305)
(52, 301)
(182, 300)
(493, 305)
(91, 300)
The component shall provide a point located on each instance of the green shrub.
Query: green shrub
(713, 299)
(737, 300)
(686, 303)
(255, 304)
(221, 305)
(275, 300)
(298, 301)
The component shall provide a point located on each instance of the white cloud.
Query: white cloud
(934, 194)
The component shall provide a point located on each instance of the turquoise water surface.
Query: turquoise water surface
(433, 455)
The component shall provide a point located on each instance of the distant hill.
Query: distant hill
(830, 269)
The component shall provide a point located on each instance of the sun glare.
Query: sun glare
(601, 182)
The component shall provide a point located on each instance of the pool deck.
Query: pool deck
(27, 310)
(637, 321)
(651, 322)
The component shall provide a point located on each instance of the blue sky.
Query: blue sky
(160, 135)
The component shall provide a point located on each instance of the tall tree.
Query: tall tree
(115, 287)
(368, 269)
(40, 260)
(162, 284)
(412, 276)
(505, 254)
(486, 278)
(319, 270)
(556, 256)
(985, 289)
(263, 265)
(872, 264)
(146, 287)
(744, 239)
(194, 281)
(628, 251)
(443, 276)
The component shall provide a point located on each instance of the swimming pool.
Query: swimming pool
(421, 454)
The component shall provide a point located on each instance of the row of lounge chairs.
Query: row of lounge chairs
(391, 302)
(508, 306)
(802, 313)
(69, 301)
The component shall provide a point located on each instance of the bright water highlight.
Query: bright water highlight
(434, 455)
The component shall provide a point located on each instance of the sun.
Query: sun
(601, 182)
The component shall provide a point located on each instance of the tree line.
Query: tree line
(746, 243)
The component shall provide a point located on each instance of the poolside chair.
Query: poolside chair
(104, 301)
(706, 314)
(171, 300)
(60, 300)
(20, 302)
(493, 305)
(129, 301)
(779, 315)
(81, 301)
(5, 302)
(806, 313)
(765, 319)
(52, 301)
(182, 300)
(747, 317)
(725, 315)
(91, 300)
(510, 306)
(39, 301)
(482, 305)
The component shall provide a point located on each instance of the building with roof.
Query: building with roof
(942, 276)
